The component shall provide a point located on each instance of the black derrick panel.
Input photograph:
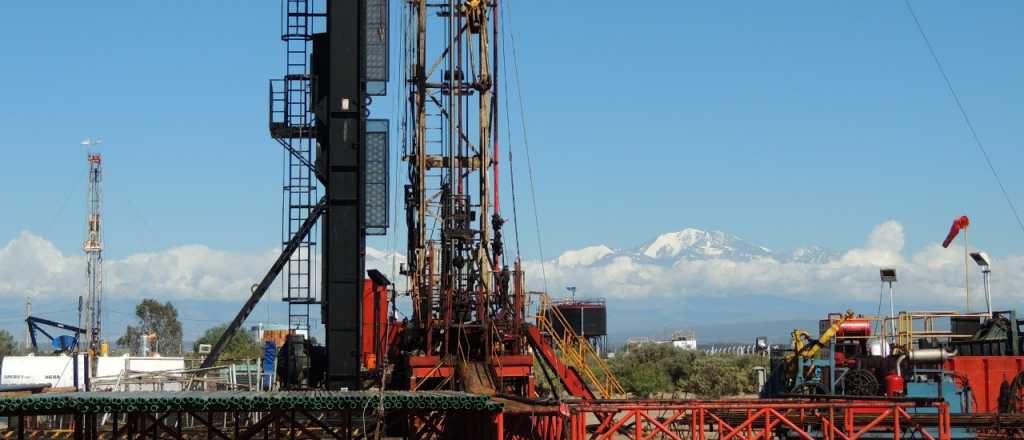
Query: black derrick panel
(376, 67)
(376, 179)
(341, 130)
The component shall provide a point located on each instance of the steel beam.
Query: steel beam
(262, 287)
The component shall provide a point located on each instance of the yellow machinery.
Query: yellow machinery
(805, 347)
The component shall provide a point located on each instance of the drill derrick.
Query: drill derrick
(458, 282)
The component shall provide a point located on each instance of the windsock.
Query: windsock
(958, 224)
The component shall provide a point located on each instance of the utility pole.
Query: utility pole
(28, 313)
(93, 247)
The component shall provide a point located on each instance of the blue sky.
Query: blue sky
(787, 123)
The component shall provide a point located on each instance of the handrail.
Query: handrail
(577, 350)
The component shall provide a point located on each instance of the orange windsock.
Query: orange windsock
(958, 224)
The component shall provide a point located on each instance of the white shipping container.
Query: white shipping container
(108, 368)
(58, 371)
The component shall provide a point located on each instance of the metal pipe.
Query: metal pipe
(269, 278)
(986, 275)
(892, 316)
(929, 355)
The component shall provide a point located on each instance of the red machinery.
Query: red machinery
(990, 377)
(375, 319)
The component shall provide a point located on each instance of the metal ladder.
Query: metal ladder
(292, 125)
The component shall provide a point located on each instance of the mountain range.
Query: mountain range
(695, 244)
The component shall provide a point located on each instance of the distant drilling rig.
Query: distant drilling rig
(93, 247)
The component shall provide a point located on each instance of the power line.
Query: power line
(963, 112)
(526, 143)
(511, 146)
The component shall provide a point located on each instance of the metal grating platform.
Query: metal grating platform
(160, 402)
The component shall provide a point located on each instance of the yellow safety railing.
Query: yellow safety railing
(913, 326)
(577, 350)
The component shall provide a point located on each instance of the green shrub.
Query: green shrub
(661, 368)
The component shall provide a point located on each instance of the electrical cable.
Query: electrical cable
(526, 143)
(963, 112)
(392, 240)
(397, 155)
(74, 187)
(508, 140)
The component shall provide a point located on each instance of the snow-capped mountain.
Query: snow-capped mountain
(694, 244)
(811, 255)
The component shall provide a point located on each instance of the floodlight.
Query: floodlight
(981, 258)
(888, 275)
(761, 342)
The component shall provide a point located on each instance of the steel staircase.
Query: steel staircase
(581, 358)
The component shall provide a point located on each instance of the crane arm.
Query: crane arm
(268, 279)
(35, 324)
(807, 350)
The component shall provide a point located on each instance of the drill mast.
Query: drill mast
(458, 279)
(93, 247)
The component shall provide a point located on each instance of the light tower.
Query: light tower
(93, 247)
(986, 274)
(888, 275)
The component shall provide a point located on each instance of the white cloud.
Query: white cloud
(31, 265)
(931, 276)
(187, 271)
(583, 257)
(883, 248)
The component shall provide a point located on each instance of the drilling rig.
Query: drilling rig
(468, 328)
(93, 247)
(471, 326)
(468, 303)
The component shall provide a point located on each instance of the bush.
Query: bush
(662, 368)
(241, 345)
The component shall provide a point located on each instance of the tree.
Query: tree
(156, 319)
(641, 371)
(717, 376)
(661, 368)
(7, 345)
(240, 346)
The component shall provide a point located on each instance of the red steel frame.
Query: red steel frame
(513, 370)
(275, 424)
(985, 375)
(749, 420)
(537, 423)
(575, 420)
(457, 425)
